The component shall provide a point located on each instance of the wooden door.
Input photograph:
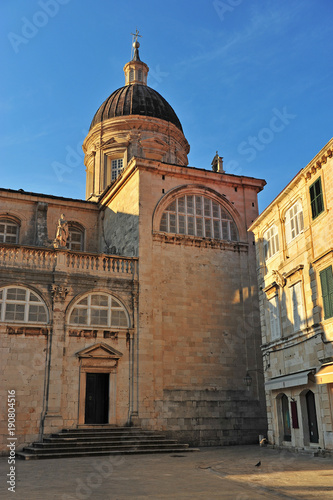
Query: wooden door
(97, 398)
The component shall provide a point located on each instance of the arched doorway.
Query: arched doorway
(312, 417)
(285, 418)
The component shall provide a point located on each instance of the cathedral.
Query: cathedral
(139, 305)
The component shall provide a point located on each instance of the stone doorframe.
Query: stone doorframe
(98, 358)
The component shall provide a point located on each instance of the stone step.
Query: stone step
(143, 446)
(106, 435)
(104, 428)
(37, 456)
(63, 443)
(94, 442)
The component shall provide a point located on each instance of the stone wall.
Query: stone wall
(298, 261)
(120, 221)
(198, 333)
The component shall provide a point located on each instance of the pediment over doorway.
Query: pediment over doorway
(99, 351)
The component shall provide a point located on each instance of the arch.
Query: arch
(284, 422)
(98, 309)
(198, 211)
(9, 228)
(312, 417)
(19, 304)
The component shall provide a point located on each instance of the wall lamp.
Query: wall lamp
(248, 379)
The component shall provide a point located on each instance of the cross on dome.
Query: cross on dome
(135, 45)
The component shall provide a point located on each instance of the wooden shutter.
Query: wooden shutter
(274, 315)
(316, 198)
(298, 309)
(288, 227)
(294, 415)
(326, 278)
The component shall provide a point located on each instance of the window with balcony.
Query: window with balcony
(200, 216)
(21, 305)
(99, 310)
(271, 242)
(75, 238)
(294, 222)
(9, 231)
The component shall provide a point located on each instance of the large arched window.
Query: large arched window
(197, 215)
(9, 231)
(99, 309)
(21, 305)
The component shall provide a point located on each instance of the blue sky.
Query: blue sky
(249, 78)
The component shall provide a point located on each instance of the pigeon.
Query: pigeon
(258, 464)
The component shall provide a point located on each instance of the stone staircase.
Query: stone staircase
(101, 441)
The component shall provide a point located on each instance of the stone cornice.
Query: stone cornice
(293, 340)
(194, 173)
(194, 241)
(322, 256)
(122, 125)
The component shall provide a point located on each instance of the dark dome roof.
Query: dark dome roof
(136, 99)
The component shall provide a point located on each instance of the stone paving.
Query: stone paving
(213, 473)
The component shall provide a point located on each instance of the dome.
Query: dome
(136, 99)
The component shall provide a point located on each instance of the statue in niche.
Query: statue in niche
(62, 233)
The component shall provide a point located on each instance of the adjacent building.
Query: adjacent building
(136, 305)
(294, 241)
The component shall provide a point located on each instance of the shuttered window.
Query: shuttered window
(316, 197)
(271, 242)
(274, 316)
(326, 278)
(294, 222)
(297, 304)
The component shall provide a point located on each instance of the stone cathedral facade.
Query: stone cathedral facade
(139, 305)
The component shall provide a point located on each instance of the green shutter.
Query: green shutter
(316, 198)
(326, 278)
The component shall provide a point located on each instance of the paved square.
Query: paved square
(226, 473)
